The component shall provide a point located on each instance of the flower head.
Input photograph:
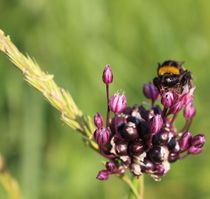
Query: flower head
(146, 140)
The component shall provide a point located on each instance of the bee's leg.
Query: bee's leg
(156, 82)
(185, 77)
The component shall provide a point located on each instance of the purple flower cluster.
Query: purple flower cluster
(145, 140)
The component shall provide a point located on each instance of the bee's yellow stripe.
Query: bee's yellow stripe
(169, 69)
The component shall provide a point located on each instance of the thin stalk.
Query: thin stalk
(164, 112)
(173, 119)
(108, 109)
(133, 189)
(152, 103)
(186, 126)
(136, 186)
(141, 187)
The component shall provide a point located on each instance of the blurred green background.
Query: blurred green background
(74, 39)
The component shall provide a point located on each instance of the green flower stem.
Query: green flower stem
(136, 187)
(132, 186)
(141, 188)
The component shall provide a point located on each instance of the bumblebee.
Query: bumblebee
(172, 76)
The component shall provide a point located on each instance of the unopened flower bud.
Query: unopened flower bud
(160, 170)
(168, 99)
(111, 166)
(103, 175)
(194, 150)
(160, 138)
(184, 141)
(129, 131)
(136, 148)
(102, 136)
(155, 124)
(173, 157)
(121, 148)
(136, 169)
(117, 103)
(188, 97)
(198, 140)
(176, 107)
(197, 144)
(98, 120)
(107, 75)
(150, 91)
(189, 111)
(172, 143)
(158, 154)
(147, 165)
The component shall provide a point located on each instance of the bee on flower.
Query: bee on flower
(145, 140)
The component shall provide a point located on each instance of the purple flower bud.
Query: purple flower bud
(176, 107)
(107, 75)
(136, 148)
(160, 138)
(197, 144)
(198, 140)
(121, 148)
(111, 166)
(129, 131)
(187, 98)
(98, 120)
(102, 136)
(150, 91)
(194, 150)
(103, 175)
(155, 124)
(117, 103)
(184, 141)
(173, 157)
(136, 169)
(158, 154)
(147, 165)
(168, 99)
(189, 111)
(160, 170)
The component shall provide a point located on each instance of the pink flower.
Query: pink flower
(155, 124)
(102, 136)
(107, 75)
(98, 120)
(103, 175)
(168, 99)
(189, 111)
(117, 103)
(150, 91)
